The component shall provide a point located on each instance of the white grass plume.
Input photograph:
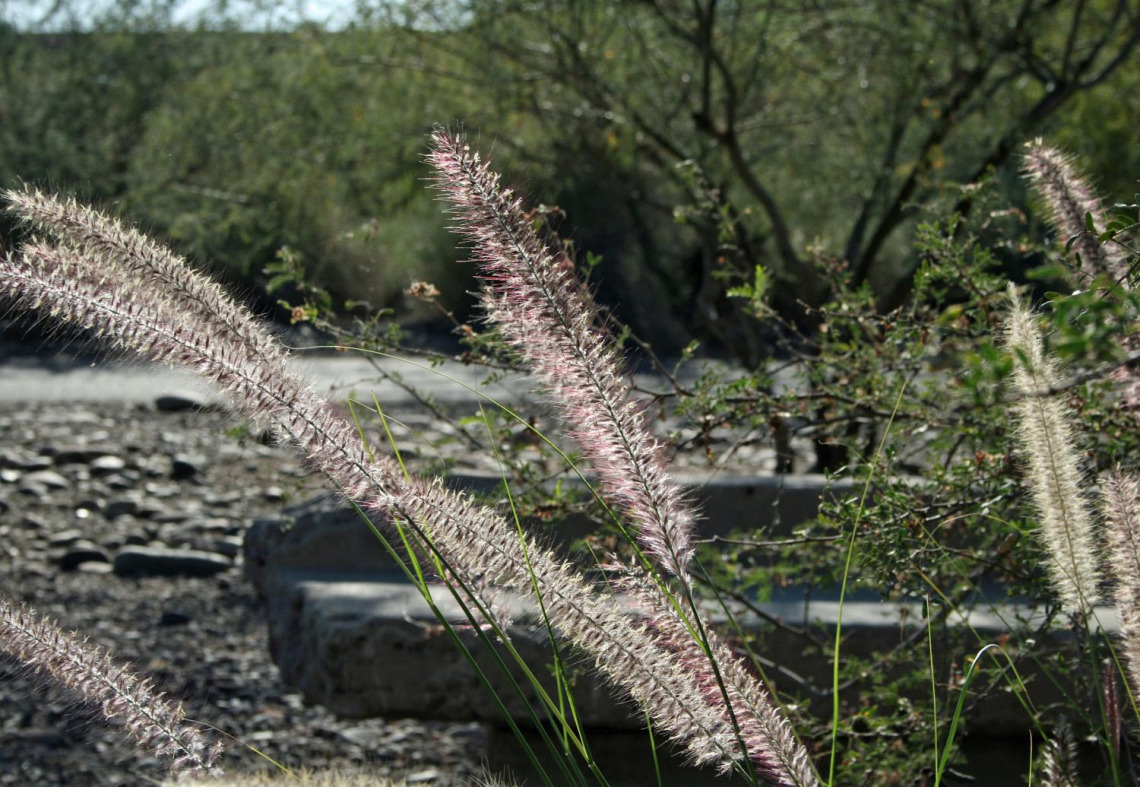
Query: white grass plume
(1047, 432)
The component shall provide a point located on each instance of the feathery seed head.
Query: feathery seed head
(1047, 432)
(1069, 199)
(132, 257)
(1059, 762)
(1120, 501)
(153, 721)
(546, 312)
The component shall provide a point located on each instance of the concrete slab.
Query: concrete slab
(353, 635)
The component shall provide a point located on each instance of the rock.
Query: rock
(32, 490)
(366, 737)
(65, 538)
(162, 490)
(223, 499)
(78, 455)
(105, 465)
(148, 509)
(9, 475)
(121, 481)
(178, 403)
(46, 478)
(157, 561)
(230, 546)
(207, 526)
(4, 507)
(82, 552)
(27, 463)
(171, 517)
(170, 618)
(89, 504)
(121, 506)
(183, 467)
(94, 567)
(32, 523)
(273, 494)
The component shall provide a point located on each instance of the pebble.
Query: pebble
(29, 464)
(178, 403)
(66, 538)
(162, 562)
(32, 523)
(170, 618)
(90, 504)
(183, 467)
(148, 509)
(121, 506)
(105, 465)
(230, 546)
(171, 517)
(32, 490)
(82, 552)
(46, 478)
(77, 455)
(421, 777)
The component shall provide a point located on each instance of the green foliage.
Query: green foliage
(303, 141)
(769, 130)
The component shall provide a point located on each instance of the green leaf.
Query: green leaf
(1048, 272)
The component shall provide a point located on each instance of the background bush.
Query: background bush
(655, 128)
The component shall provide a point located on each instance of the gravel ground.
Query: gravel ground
(81, 485)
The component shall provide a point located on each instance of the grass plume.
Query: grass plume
(1047, 433)
(533, 293)
(1070, 201)
(1120, 497)
(156, 724)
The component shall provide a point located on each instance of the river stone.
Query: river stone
(230, 546)
(183, 466)
(27, 463)
(82, 552)
(46, 478)
(121, 506)
(157, 561)
(104, 465)
(78, 455)
(172, 618)
(121, 481)
(65, 538)
(177, 403)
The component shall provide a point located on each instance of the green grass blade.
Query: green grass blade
(948, 748)
(843, 588)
